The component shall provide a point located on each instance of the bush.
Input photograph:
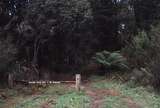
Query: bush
(137, 51)
(144, 48)
(143, 52)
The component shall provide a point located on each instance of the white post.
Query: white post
(78, 82)
(10, 80)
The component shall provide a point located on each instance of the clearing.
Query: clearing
(97, 93)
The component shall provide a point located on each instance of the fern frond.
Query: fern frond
(111, 59)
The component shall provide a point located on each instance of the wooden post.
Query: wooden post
(78, 82)
(10, 80)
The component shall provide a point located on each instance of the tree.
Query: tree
(53, 31)
(8, 58)
(146, 13)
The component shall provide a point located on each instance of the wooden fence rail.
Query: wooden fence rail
(77, 82)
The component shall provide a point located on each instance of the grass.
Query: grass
(69, 100)
(143, 97)
(35, 102)
(35, 97)
(114, 102)
(56, 97)
(139, 95)
(73, 100)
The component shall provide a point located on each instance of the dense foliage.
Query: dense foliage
(53, 36)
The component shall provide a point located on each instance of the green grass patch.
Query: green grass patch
(114, 102)
(73, 100)
(140, 95)
(43, 95)
(69, 100)
(143, 97)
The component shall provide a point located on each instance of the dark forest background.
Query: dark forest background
(42, 38)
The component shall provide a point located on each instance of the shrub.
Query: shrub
(144, 48)
(137, 51)
(143, 52)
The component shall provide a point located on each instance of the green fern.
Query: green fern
(111, 59)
